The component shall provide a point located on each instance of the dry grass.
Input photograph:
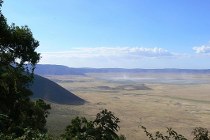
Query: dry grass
(183, 104)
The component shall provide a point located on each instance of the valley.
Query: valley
(155, 100)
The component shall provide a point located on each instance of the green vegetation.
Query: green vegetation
(171, 134)
(199, 133)
(104, 127)
(18, 114)
(24, 119)
(21, 118)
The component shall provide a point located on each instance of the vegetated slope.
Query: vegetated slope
(50, 91)
(45, 69)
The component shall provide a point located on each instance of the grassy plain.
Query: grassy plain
(155, 100)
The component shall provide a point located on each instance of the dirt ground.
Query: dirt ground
(157, 101)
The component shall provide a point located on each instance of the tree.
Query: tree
(104, 127)
(17, 63)
(171, 135)
(200, 133)
(79, 129)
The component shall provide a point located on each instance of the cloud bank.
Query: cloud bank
(127, 57)
(111, 52)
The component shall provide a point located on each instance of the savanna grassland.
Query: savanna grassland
(155, 100)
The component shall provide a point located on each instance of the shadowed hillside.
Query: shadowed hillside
(50, 91)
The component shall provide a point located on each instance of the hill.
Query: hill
(45, 69)
(50, 91)
(55, 70)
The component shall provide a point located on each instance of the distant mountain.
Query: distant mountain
(50, 91)
(55, 70)
(44, 69)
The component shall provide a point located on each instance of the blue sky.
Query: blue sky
(117, 33)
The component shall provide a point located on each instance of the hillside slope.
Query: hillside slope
(50, 91)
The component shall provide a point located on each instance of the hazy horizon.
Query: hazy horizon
(126, 34)
(124, 68)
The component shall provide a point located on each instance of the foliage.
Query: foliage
(171, 134)
(17, 63)
(200, 133)
(79, 129)
(104, 127)
(23, 119)
(28, 134)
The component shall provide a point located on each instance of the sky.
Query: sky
(117, 33)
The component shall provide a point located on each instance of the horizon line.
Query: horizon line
(127, 68)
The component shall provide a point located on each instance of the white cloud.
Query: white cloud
(124, 57)
(204, 49)
(110, 51)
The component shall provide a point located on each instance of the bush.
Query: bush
(199, 134)
(104, 127)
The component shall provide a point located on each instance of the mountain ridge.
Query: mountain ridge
(48, 69)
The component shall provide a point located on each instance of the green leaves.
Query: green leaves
(104, 127)
(107, 124)
(23, 45)
(200, 133)
(17, 46)
(28, 134)
(18, 58)
(79, 129)
(1, 1)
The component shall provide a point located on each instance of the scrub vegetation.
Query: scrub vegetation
(22, 118)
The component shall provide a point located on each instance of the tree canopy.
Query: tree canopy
(104, 127)
(18, 58)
